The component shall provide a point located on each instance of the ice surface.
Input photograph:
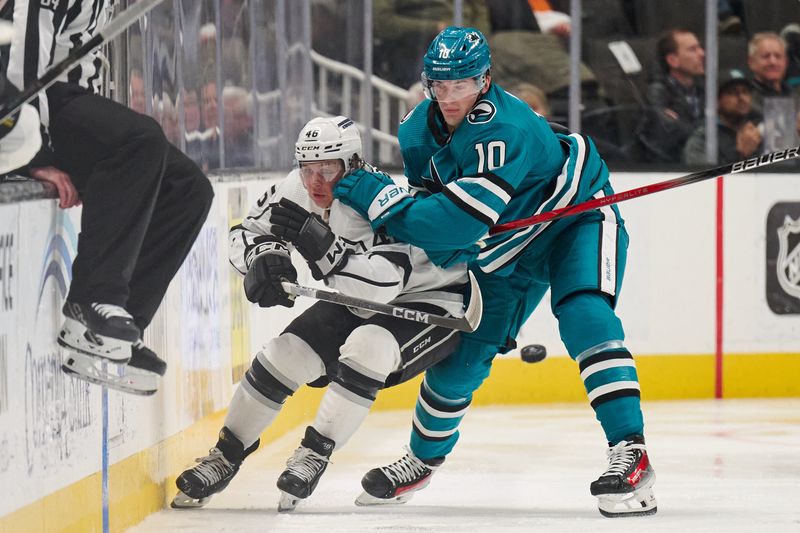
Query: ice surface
(722, 466)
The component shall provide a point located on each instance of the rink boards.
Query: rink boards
(677, 317)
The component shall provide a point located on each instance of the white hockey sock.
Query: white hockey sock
(248, 416)
(340, 414)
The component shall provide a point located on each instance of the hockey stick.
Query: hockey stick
(733, 168)
(112, 29)
(469, 322)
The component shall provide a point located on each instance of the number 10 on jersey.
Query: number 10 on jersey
(491, 156)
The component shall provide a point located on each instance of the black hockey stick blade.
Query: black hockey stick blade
(112, 29)
(732, 168)
(468, 323)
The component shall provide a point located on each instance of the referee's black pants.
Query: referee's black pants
(144, 201)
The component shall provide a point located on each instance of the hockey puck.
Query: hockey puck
(533, 353)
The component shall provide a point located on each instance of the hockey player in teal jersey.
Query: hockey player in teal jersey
(476, 156)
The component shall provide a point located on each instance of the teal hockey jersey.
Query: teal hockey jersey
(502, 163)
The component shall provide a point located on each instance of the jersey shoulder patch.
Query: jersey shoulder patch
(483, 112)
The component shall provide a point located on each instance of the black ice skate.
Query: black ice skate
(397, 482)
(98, 330)
(140, 376)
(304, 468)
(625, 489)
(212, 473)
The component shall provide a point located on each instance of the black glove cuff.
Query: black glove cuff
(314, 238)
(261, 248)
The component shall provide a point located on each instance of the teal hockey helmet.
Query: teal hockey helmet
(457, 53)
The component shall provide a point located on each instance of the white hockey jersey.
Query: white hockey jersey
(380, 269)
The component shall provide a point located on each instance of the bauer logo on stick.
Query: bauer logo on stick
(766, 159)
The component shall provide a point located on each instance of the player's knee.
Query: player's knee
(586, 319)
(291, 361)
(263, 381)
(459, 375)
(369, 355)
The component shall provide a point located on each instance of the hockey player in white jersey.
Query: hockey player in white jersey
(358, 354)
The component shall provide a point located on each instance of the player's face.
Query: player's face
(456, 97)
(319, 179)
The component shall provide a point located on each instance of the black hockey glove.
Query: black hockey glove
(325, 253)
(272, 265)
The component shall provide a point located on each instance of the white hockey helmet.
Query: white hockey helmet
(324, 138)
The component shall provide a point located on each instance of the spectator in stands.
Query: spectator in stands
(210, 136)
(403, 28)
(511, 15)
(415, 95)
(515, 33)
(238, 112)
(679, 96)
(136, 94)
(533, 96)
(192, 125)
(601, 19)
(530, 15)
(738, 131)
(767, 60)
(791, 35)
(730, 14)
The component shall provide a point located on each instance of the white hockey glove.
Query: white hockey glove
(268, 266)
(325, 253)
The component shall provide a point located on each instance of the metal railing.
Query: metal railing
(392, 101)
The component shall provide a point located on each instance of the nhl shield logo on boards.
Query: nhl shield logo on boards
(788, 265)
(783, 258)
(483, 112)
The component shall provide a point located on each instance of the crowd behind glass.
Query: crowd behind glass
(232, 81)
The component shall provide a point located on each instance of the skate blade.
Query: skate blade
(182, 501)
(84, 367)
(366, 499)
(76, 337)
(288, 502)
(639, 503)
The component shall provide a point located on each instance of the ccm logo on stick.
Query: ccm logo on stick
(410, 314)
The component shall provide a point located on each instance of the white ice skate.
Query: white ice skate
(140, 376)
(98, 330)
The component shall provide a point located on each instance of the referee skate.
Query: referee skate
(104, 348)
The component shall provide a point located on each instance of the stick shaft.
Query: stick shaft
(733, 168)
(385, 309)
